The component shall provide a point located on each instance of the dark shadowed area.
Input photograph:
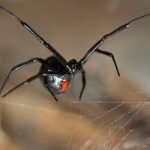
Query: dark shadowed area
(114, 111)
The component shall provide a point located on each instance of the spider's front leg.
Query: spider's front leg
(110, 55)
(17, 67)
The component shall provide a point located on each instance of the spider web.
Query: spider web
(108, 122)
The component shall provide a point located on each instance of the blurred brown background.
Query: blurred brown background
(114, 112)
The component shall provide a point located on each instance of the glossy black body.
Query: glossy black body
(55, 72)
(51, 64)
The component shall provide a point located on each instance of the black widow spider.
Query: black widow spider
(55, 72)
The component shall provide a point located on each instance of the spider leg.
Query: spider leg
(17, 67)
(52, 94)
(46, 84)
(110, 55)
(107, 36)
(83, 83)
(22, 83)
(38, 37)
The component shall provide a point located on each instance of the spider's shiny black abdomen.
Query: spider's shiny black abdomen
(54, 75)
(53, 65)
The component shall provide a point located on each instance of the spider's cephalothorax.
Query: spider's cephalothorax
(56, 73)
(74, 66)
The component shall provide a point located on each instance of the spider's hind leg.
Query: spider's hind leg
(22, 83)
(19, 66)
